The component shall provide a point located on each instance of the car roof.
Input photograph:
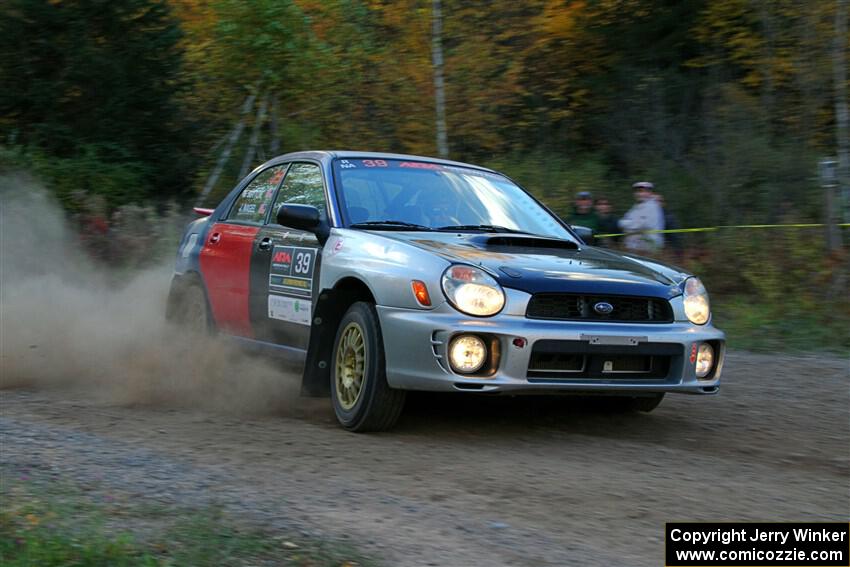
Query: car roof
(327, 155)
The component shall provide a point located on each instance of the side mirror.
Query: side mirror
(303, 217)
(584, 232)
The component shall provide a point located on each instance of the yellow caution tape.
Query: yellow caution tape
(714, 228)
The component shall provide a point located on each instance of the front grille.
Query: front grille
(580, 307)
(546, 366)
(555, 360)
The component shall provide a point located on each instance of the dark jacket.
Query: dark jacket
(588, 219)
(608, 224)
(672, 223)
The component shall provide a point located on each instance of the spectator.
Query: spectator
(583, 213)
(607, 223)
(646, 215)
(671, 223)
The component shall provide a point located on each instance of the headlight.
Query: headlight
(472, 291)
(696, 302)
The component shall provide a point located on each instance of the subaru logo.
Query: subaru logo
(603, 308)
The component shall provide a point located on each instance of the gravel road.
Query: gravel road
(471, 481)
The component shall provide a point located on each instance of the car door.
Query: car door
(285, 264)
(225, 258)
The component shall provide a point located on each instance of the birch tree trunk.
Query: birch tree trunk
(255, 137)
(767, 89)
(839, 66)
(439, 86)
(228, 149)
(274, 146)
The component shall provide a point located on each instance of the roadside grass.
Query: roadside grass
(52, 523)
(770, 328)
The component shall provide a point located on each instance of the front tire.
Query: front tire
(646, 404)
(362, 399)
(623, 404)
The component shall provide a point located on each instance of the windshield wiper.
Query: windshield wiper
(389, 224)
(483, 228)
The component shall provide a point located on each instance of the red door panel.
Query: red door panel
(225, 265)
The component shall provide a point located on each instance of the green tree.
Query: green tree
(96, 80)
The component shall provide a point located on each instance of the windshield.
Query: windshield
(413, 195)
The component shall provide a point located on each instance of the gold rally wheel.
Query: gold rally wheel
(350, 365)
(362, 399)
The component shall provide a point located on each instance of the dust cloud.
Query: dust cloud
(67, 321)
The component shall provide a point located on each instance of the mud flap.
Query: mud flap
(315, 382)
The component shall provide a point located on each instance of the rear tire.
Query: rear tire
(192, 311)
(362, 399)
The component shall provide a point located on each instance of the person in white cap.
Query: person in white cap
(645, 215)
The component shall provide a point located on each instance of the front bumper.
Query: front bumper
(416, 343)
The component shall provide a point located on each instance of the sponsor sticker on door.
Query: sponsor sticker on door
(291, 270)
(292, 309)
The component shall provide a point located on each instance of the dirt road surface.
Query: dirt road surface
(475, 481)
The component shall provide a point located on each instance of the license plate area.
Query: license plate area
(612, 340)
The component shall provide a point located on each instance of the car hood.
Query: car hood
(537, 264)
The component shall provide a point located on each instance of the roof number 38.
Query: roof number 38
(374, 163)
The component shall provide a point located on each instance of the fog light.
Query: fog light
(467, 353)
(705, 360)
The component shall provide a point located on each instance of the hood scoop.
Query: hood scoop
(516, 243)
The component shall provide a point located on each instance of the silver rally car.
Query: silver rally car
(384, 273)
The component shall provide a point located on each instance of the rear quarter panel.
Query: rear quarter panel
(189, 250)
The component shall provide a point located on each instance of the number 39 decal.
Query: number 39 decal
(302, 263)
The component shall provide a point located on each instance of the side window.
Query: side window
(303, 186)
(252, 204)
